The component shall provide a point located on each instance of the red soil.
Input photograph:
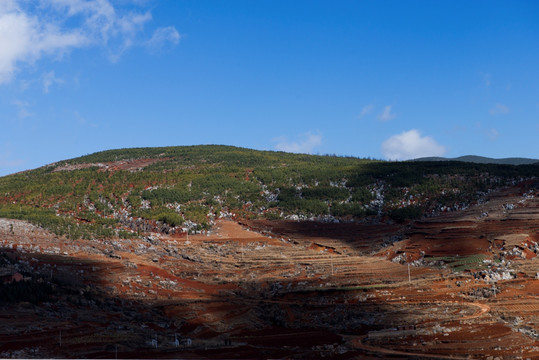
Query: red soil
(285, 289)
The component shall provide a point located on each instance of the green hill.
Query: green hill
(484, 160)
(129, 192)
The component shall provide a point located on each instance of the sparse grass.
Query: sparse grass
(461, 263)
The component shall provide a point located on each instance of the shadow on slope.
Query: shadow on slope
(82, 312)
(362, 237)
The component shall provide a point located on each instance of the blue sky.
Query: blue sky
(381, 79)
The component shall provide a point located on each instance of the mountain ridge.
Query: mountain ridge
(483, 160)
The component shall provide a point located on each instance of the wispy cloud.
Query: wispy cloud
(493, 134)
(305, 145)
(162, 37)
(499, 109)
(32, 30)
(22, 107)
(24, 38)
(410, 145)
(386, 114)
(367, 109)
(81, 120)
(49, 79)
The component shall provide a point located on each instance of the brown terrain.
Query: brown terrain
(130, 165)
(460, 285)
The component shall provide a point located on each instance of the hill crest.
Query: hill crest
(483, 160)
(130, 192)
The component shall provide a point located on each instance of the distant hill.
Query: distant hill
(483, 160)
(129, 192)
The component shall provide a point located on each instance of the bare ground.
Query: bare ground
(261, 289)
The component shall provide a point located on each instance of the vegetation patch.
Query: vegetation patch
(188, 187)
(461, 263)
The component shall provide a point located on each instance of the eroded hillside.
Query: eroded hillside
(459, 284)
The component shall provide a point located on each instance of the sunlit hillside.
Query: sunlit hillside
(126, 192)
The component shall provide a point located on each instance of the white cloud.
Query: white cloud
(25, 38)
(410, 145)
(367, 109)
(50, 79)
(307, 143)
(161, 37)
(32, 30)
(499, 109)
(386, 115)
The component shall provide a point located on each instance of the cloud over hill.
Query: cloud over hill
(409, 145)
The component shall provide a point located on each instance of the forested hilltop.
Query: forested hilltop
(129, 192)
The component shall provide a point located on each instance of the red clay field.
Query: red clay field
(456, 286)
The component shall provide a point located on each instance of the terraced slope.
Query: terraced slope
(288, 289)
(220, 252)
